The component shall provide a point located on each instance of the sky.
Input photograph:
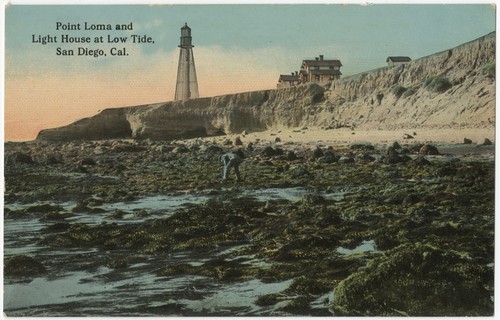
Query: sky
(238, 48)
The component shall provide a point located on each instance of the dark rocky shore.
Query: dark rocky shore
(426, 216)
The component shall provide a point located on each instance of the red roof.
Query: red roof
(322, 63)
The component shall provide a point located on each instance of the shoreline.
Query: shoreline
(313, 136)
(346, 136)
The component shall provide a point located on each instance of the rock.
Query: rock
(250, 147)
(270, 152)
(52, 159)
(415, 280)
(277, 139)
(291, 156)
(125, 147)
(227, 142)
(213, 150)
(299, 172)
(447, 169)
(117, 263)
(421, 161)
(407, 136)
(22, 265)
(194, 147)
(88, 162)
(391, 156)
(318, 153)
(487, 142)
(237, 141)
(346, 159)
(329, 157)
(467, 141)
(299, 247)
(428, 149)
(43, 208)
(19, 157)
(161, 149)
(99, 150)
(396, 146)
(180, 149)
(415, 148)
(363, 157)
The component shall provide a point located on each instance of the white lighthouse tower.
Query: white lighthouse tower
(187, 85)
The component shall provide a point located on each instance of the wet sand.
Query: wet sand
(346, 136)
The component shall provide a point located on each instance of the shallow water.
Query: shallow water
(160, 202)
(290, 194)
(365, 246)
(134, 290)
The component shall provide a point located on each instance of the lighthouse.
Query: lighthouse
(187, 85)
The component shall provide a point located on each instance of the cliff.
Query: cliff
(453, 88)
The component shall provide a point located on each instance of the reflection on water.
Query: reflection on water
(290, 194)
(365, 246)
(159, 202)
(238, 296)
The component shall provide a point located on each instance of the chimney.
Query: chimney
(317, 58)
(292, 73)
(321, 57)
(296, 73)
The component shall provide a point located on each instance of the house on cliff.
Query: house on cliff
(288, 80)
(396, 61)
(320, 70)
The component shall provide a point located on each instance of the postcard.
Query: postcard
(166, 160)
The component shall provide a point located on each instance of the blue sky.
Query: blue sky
(367, 33)
(237, 48)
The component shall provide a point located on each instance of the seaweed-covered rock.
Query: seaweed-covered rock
(429, 149)
(291, 156)
(299, 172)
(271, 152)
(180, 149)
(318, 153)
(487, 142)
(237, 141)
(18, 157)
(329, 157)
(391, 156)
(43, 208)
(363, 157)
(88, 162)
(416, 280)
(51, 159)
(346, 159)
(212, 152)
(117, 263)
(395, 145)
(22, 265)
(420, 161)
